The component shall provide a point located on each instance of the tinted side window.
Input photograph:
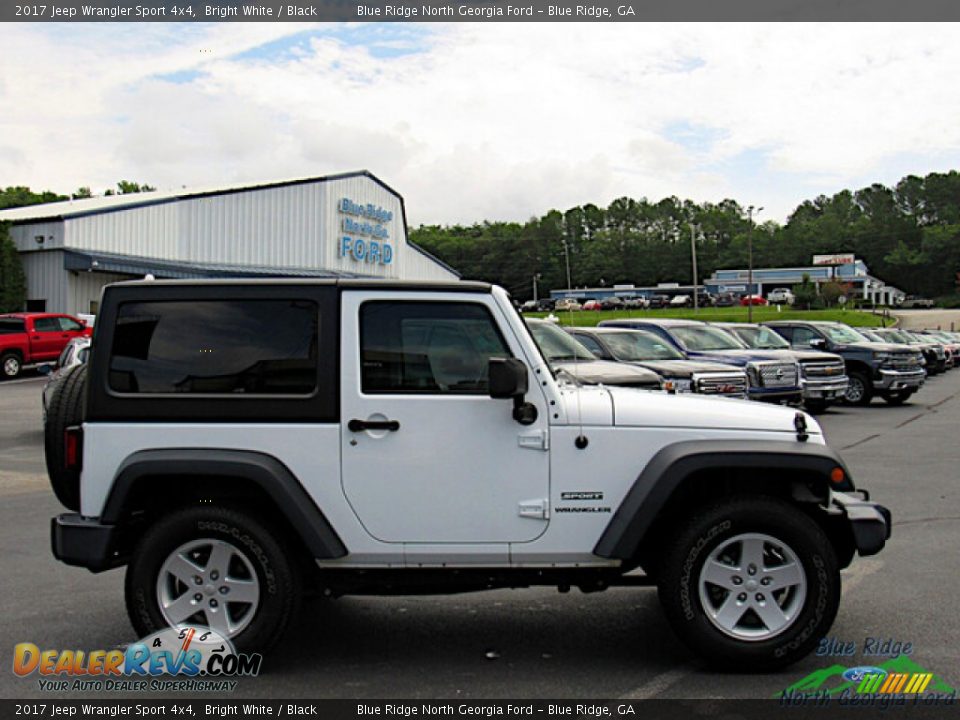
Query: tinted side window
(591, 344)
(12, 326)
(439, 348)
(266, 347)
(802, 336)
(46, 324)
(68, 325)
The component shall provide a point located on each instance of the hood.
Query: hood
(660, 410)
(804, 355)
(596, 372)
(734, 357)
(685, 368)
(876, 347)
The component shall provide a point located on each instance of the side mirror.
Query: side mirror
(508, 379)
(45, 369)
(818, 343)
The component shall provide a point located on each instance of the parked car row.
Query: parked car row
(788, 362)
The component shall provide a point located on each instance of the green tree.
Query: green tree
(805, 294)
(13, 282)
(82, 193)
(21, 196)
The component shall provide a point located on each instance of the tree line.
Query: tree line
(908, 235)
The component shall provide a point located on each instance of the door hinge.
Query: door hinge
(538, 509)
(538, 440)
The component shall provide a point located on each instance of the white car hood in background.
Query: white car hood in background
(626, 407)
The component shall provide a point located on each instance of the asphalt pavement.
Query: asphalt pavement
(524, 643)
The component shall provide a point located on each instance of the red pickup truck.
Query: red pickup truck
(30, 338)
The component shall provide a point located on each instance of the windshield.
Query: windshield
(890, 336)
(640, 345)
(843, 334)
(705, 338)
(556, 345)
(760, 338)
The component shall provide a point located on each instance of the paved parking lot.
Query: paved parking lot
(531, 643)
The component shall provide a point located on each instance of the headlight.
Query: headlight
(753, 374)
(677, 385)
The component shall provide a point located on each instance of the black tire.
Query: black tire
(689, 549)
(816, 406)
(276, 570)
(64, 410)
(897, 398)
(859, 389)
(10, 365)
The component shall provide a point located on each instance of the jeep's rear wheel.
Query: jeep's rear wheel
(65, 410)
(859, 389)
(215, 567)
(750, 583)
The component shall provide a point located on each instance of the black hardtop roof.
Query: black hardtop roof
(345, 283)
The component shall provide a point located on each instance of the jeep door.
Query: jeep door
(426, 455)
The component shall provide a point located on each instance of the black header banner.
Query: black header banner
(207, 708)
(477, 11)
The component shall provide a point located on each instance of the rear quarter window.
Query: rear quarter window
(215, 347)
(12, 326)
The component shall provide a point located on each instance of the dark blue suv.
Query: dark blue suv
(771, 378)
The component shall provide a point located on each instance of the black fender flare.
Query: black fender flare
(265, 471)
(674, 463)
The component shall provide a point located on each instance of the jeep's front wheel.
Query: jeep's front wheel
(750, 583)
(215, 567)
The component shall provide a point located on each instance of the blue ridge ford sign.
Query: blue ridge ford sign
(366, 237)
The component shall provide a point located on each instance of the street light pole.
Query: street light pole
(693, 252)
(566, 255)
(536, 276)
(750, 211)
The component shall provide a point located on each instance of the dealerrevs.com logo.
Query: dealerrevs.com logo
(184, 659)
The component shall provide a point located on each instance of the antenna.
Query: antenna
(581, 440)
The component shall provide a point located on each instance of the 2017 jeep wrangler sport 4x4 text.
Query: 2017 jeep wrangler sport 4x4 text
(238, 443)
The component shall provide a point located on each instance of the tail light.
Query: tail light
(73, 448)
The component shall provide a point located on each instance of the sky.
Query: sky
(484, 121)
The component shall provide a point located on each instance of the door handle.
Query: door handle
(361, 425)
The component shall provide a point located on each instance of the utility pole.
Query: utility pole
(693, 252)
(566, 255)
(536, 276)
(750, 211)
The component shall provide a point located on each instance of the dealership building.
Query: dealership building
(350, 225)
(844, 269)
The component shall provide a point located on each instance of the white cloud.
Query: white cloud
(485, 121)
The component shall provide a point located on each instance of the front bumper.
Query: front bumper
(870, 523)
(899, 379)
(85, 542)
(777, 395)
(825, 390)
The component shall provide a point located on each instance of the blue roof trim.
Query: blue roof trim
(78, 261)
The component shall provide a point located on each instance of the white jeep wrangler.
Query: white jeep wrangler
(237, 443)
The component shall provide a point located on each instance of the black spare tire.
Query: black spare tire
(65, 410)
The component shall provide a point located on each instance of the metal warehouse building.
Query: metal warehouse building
(350, 225)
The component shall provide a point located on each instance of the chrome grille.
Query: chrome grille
(819, 370)
(721, 384)
(773, 375)
(903, 361)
